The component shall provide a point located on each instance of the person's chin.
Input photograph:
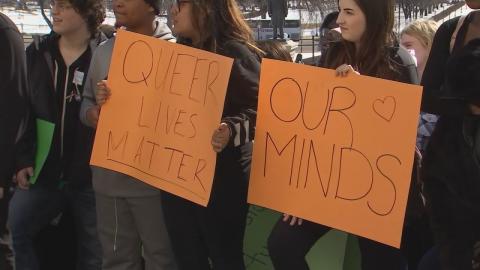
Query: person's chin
(57, 29)
(119, 19)
(475, 5)
(346, 37)
(119, 23)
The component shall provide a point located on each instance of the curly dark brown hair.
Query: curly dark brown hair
(92, 10)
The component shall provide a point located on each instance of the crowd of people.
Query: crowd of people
(121, 223)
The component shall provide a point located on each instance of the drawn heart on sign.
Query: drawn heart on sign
(385, 108)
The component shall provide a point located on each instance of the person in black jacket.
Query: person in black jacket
(367, 47)
(201, 235)
(450, 168)
(57, 65)
(12, 111)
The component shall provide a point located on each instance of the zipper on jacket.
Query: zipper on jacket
(55, 77)
(63, 110)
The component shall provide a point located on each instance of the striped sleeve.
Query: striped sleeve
(240, 111)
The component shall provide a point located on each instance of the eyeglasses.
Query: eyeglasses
(178, 4)
(59, 5)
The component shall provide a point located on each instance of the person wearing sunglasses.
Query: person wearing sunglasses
(212, 237)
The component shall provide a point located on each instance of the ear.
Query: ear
(151, 9)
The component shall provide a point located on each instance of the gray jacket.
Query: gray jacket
(105, 181)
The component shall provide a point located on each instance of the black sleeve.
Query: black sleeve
(240, 111)
(434, 74)
(12, 102)
(26, 146)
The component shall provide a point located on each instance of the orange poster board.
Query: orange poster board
(336, 151)
(167, 99)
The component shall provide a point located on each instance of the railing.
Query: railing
(309, 45)
(23, 27)
(27, 39)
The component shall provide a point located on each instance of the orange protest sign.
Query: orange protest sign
(336, 151)
(167, 99)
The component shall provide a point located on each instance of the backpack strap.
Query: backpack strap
(455, 33)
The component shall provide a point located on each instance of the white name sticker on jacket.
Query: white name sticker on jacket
(78, 77)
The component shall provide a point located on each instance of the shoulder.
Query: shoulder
(41, 43)
(236, 49)
(99, 38)
(9, 33)
(105, 46)
(6, 23)
(446, 29)
(241, 53)
(101, 57)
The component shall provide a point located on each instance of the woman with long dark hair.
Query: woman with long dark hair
(368, 48)
(212, 236)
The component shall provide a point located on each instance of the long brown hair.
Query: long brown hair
(219, 21)
(372, 57)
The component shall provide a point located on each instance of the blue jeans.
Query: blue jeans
(6, 255)
(33, 209)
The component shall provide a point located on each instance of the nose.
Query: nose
(340, 20)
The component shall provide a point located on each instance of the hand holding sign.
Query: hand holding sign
(220, 137)
(344, 70)
(293, 220)
(102, 93)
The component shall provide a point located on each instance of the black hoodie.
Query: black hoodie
(55, 94)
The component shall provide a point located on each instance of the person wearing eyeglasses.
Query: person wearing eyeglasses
(57, 64)
(130, 217)
(212, 237)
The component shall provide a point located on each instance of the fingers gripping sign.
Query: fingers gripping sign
(221, 137)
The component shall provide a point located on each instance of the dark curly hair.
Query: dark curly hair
(92, 10)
